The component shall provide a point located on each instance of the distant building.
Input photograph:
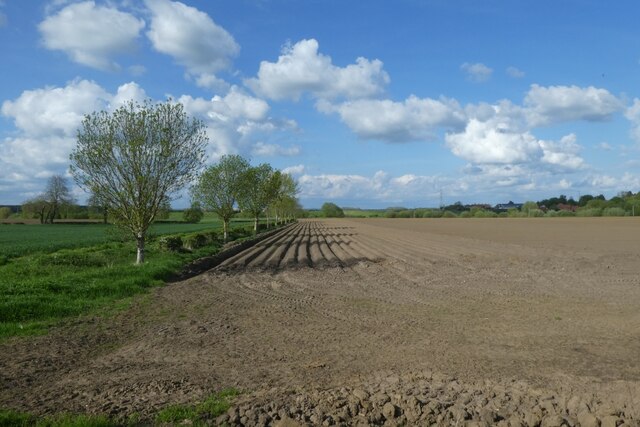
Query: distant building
(503, 207)
(564, 207)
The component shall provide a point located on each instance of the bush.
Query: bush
(448, 214)
(194, 241)
(170, 243)
(331, 210)
(193, 215)
(614, 212)
(563, 213)
(589, 212)
(551, 214)
(535, 213)
(5, 212)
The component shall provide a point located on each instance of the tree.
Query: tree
(284, 202)
(218, 187)
(96, 203)
(56, 195)
(528, 207)
(258, 191)
(193, 214)
(331, 210)
(36, 207)
(135, 157)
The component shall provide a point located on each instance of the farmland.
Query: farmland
(20, 239)
(369, 320)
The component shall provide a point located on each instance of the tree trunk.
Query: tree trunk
(225, 229)
(255, 225)
(140, 246)
(105, 214)
(267, 219)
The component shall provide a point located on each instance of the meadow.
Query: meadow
(51, 272)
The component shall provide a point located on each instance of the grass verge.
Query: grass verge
(39, 290)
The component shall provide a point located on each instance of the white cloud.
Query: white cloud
(557, 104)
(192, 38)
(385, 120)
(294, 170)
(563, 154)
(477, 72)
(55, 110)
(493, 143)
(46, 122)
(605, 146)
(515, 72)
(498, 135)
(271, 150)
(633, 115)
(3, 19)
(300, 68)
(91, 35)
(235, 121)
(128, 92)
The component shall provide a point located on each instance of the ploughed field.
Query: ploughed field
(370, 321)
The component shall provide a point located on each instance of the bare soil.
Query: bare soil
(370, 321)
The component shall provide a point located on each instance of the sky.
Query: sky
(366, 103)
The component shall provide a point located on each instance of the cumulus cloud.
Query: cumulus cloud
(385, 120)
(192, 38)
(271, 150)
(300, 68)
(498, 135)
(55, 110)
(91, 35)
(294, 170)
(557, 104)
(3, 19)
(46, 122)
(633, 115)
(491, 142)
(234, 122)
(515, 72)
(477, 72)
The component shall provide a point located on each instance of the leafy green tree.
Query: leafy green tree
(284, 203)
(135, 158)
(57, 195)
(528, 207)
(193, 214)
(331, 210)
(218, 187)
(259, 189)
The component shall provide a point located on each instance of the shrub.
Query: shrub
(563, 213)
(535, 213)
(331, 210)
(551, 214)
(193, 215)
(589, 212)
(170, 243)
(194, 241)
(448, 214)
(5, 212)
(614, 212)
(465, 214)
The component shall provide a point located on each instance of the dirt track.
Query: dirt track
(542, 309)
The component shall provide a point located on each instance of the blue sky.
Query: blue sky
(368, 104)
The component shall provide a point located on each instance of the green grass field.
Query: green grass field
(51, 272)
(20, 239)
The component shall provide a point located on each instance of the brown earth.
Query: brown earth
(511, 321)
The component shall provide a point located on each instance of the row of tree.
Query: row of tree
(233, 183)
(133, 159)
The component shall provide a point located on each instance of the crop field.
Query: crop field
(21, 239)
(369, 322)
